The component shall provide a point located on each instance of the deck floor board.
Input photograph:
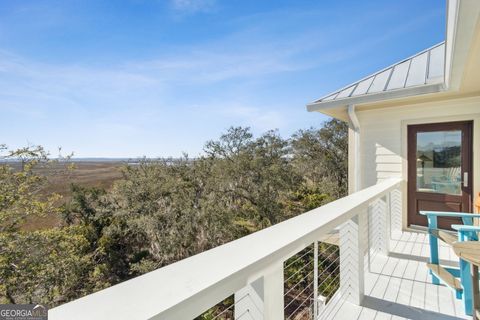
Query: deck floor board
(399, 286)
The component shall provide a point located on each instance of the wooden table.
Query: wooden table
(470, 252)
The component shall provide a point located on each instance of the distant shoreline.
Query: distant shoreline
(138, 159)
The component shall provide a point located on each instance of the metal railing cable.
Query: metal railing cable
(224, 312)
(306, 299)
(325, 274)
(301, 269)
(329, 277)
(299, 282)
(310, 251)
(295, 298)
(326, 269)
(229, 308)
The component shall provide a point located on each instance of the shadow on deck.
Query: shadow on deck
(399, 286)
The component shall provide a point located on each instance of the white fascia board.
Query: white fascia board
(375, 97)
(462, 19)
(450, 35)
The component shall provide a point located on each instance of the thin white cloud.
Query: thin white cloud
(24, 80)
(209, 66)
(193, 6)
(238, 56)
(260, 119)
(227, 78)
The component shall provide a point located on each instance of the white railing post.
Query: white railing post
(353, 246)
(395, 206)
(273, 291)
(388, 224)
(250, 300)
(262, 298)
(379, 226)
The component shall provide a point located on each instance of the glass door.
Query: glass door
(439, 170)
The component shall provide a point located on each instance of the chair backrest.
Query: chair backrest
(453, 173)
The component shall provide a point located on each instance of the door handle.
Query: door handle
(465, 179)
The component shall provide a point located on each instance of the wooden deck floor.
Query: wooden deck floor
(399, 286)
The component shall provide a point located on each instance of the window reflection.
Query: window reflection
(439, 158)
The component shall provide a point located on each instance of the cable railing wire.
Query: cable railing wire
(294, 299)
(329, 277)
(335, 252)
(231, 307)
(328, 258)
(244, 313)
(299, 293)
(306, 299)
(326, 269)
(304, 266)
(298, 282)
(310, 251)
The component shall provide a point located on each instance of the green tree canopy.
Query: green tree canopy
(161, 211)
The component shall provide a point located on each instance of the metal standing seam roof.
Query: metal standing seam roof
(423, 68)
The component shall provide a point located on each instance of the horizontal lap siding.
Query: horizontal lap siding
(381, 146)
(381, 134)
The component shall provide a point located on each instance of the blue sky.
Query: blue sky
(159, 77)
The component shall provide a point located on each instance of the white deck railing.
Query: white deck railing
(252, 265)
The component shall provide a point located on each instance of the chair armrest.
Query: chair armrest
(462, 227)
(449, 214)
(466, 232)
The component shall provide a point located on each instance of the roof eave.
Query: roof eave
(375, 97)
(462, 24)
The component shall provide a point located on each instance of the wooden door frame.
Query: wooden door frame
(467, 161)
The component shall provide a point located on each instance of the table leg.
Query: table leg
(475, 293)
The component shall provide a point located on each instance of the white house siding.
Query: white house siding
(383, 145)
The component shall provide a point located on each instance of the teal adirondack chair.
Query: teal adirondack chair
(450, 276)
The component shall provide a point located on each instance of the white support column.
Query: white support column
(262, 298)
(355, 171)
(353, 248)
